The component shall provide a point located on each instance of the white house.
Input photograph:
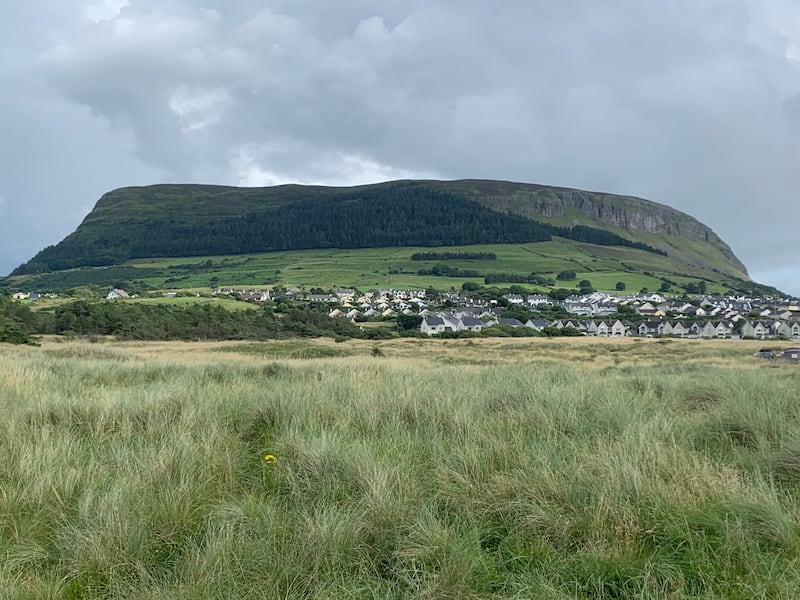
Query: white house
(116, 294)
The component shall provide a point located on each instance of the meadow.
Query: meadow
(485, 468)
(369, 268)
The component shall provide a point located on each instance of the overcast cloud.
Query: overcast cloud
(692, 104)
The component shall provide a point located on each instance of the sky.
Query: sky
(691, 104)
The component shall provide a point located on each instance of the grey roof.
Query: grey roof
(434, 320)
(512, 322)
(471, 321)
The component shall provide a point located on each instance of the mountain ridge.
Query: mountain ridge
(194, 219)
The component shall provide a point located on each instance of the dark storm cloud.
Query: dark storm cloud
(691, 104)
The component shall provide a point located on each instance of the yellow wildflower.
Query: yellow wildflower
(270, 458)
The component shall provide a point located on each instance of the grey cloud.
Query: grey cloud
(690, 104)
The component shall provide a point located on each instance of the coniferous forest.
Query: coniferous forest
(367, 217)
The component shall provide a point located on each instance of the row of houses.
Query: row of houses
(601, 304)
(446, 322)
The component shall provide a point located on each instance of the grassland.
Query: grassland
(424, 469)
(368, 268)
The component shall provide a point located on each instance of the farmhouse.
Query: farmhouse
(117, 294)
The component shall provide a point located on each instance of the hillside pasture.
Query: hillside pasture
(369, 268)
(569, 468)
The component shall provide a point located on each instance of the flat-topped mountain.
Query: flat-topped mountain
(201, 220)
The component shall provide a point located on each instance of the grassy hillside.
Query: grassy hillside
(461, 469)
(368, 268)
(194, 220)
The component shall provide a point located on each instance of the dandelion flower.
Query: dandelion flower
(270, 458)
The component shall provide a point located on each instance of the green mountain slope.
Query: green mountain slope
(198, 220)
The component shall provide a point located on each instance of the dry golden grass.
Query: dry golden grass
(589, 352)
(471, 468)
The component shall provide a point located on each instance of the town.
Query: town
(597, 314)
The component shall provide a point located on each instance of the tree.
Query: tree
(408, 322)
(585, 286)
(665, 287)
(566, 276)
(559, 294)
(625, 311)
(620, 286)
(17, 322)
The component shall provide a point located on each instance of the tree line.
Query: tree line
(136, 321)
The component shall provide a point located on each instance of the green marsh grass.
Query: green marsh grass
(138, 471)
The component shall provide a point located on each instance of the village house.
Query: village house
(116, 294)
(651, 328)
(537, 324)
(432, 325)
(757, 329)
(537, 299)
(470, 324)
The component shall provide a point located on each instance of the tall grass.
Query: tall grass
(130, 478)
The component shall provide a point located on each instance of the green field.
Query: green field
(427, 469)
(369, 268)
(393, 267)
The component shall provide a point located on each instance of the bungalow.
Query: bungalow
(470, 324)
(432, 325)
(510, 322)
(537, 324)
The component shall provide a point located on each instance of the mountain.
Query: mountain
(202, 220)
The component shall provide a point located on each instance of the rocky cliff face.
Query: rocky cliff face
(626, 212)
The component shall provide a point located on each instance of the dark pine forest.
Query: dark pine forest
(354, 218)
